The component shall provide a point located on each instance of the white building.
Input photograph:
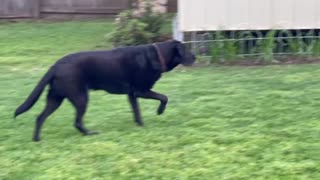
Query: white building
(212, 15)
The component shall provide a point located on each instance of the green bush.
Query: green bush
(266, 47)
(137, 28)
(223, 49)
(218, 47)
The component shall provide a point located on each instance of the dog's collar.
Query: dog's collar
(161, 58)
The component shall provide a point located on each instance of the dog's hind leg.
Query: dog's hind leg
(80, 102)
(135, 108)
(53, 102)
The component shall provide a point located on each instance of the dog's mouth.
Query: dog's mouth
(189, 61)
(187, 64)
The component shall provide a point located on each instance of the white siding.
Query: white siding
(206, 15)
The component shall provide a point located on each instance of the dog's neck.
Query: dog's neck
(161, 58)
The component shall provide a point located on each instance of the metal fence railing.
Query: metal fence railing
(255, 44)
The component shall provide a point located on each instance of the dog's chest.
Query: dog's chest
(113, 87)
(145, 81)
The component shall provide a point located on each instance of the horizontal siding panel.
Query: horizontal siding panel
(207, 15)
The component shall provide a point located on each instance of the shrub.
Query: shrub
(270, 46)
(134, 27)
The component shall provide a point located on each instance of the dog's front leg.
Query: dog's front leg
(157, 96)
(135, 109)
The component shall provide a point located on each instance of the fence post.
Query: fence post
(132, 4)
(172, 6)
(36, 8)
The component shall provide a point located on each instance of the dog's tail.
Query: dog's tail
(35, 94)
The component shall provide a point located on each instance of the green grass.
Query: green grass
(221, 122)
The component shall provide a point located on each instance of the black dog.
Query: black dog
(131, 70)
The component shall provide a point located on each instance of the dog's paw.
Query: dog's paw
(89, 133)
(36, 139)
(140, 124)
(160, 110)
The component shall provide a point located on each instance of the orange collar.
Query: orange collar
(161, 58)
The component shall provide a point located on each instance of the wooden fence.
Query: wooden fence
(17, 8)
(45, 8)
(39, 8)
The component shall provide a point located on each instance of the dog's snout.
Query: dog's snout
(193, 56)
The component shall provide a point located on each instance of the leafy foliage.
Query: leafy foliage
(136, 26)
(267, 47)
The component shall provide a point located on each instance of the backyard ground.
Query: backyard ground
(221, 122)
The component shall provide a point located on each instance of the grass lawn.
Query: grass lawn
(221, 122)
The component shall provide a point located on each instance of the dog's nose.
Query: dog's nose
(193, 57)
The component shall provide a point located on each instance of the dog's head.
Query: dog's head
(182, 55)
(174, 53)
